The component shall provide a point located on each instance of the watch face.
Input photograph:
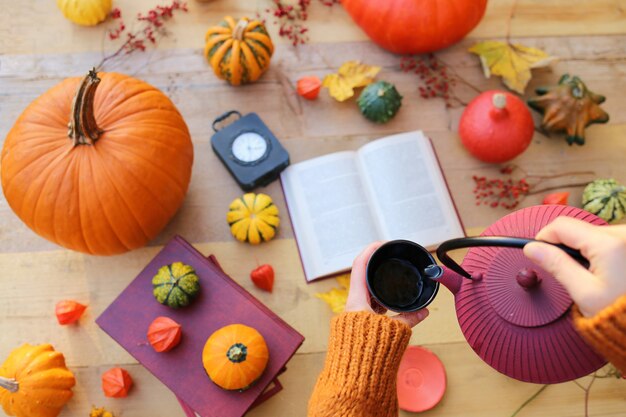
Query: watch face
(249, 147)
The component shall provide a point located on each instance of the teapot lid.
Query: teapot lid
(516, 315)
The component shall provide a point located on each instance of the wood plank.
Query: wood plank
(311, 129)
(474, 390)
(96, 281)
(532, 18)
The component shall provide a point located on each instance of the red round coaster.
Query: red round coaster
(421, 380)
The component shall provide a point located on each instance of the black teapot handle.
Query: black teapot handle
(501, 241)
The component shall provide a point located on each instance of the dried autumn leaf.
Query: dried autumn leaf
(512, 62)
(344, 281)
(100, 412)
(351, 75)
(336, 298)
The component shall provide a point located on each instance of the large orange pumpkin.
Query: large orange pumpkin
(416, 26)
(34, 382)
(114, 180)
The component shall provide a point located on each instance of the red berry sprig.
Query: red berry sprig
(509, 192)
(434, 78)
(496, 192)
(291, 18)
(152, 25)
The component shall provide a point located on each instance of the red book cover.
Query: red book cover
(221, 302)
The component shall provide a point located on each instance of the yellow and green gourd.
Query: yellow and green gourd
(380, 101)
(606, 198)
(253, 218)
(85, 12)
(175, 285)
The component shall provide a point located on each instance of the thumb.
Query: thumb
(413, 318)
(574, 277)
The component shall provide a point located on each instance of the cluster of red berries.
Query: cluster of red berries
(434, 78)
(494, 192)
(291, 18)
(153, 24)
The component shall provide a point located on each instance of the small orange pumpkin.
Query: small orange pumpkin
(235, 356)
(34, 382)
(239, 52)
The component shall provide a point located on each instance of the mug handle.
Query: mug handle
(501, 241)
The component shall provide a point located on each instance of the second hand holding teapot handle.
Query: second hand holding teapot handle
(500, 241)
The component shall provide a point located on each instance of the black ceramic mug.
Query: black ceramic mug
(395, 276)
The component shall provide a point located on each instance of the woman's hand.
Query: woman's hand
(603, 246)
(359, 297)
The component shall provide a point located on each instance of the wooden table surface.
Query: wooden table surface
(38, 48)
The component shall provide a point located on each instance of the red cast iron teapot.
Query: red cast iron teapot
(514, 314)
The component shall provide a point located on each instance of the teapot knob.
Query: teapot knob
(527, 278)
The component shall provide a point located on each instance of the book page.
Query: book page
(329, 211)
(408, 192)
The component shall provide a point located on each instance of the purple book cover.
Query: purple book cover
(221, 302)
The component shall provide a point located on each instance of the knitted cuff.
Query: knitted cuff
(364, 354)
(606, 332)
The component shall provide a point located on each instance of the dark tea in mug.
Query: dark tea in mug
(394, 276)
(397, 282)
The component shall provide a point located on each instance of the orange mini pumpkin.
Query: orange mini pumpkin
(114, 180)
(34, 382)
(239, 52)
(235, 356)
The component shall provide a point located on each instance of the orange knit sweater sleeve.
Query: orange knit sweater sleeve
(359, 375)
(606, 332)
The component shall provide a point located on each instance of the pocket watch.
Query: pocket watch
(249, 150)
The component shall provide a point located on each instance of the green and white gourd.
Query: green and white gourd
(606, 198)
(380, 101)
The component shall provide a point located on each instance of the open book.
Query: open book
(391, 188)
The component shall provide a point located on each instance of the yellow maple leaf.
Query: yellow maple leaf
(512, 62)
(100, 412)
(336, 298)
(351, 75)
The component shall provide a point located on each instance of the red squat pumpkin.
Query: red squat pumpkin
(114, 179)
(415, 27)
(496, 127)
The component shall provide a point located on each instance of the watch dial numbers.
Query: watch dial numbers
(249, 147)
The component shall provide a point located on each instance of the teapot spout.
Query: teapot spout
(451, 280)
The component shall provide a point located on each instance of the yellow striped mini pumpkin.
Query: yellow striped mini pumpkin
(85, 12)
(239, 52)
(253, 218)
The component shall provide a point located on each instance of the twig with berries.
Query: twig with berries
(151, 26)
(436, 78)
(291, 18)
(508, 192)
(610, 372)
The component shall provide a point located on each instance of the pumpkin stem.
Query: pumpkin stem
(237, 353)
(83, 129)
(499, 101)
(9, 384)
(499, 110)
(240, 29)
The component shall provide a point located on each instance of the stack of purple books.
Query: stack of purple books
(221, 302)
